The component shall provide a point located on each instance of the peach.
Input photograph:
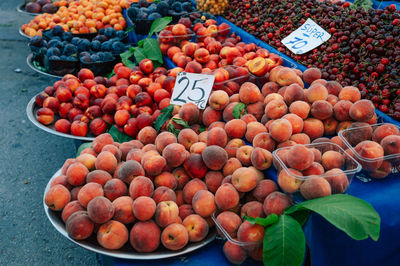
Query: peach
(256, 109)
(147, 135)
(190, 113)
(235, 128)
(230, 222)
(316, 92)
(100, 210)
(235, 254)
(285, 76)
(112, 235)
(148, 147)
(269, 87)
(79, 226)
(391, 144)
(60, 180)
(87, 159)
(263, 189)
(213, 180)
(214, 157)
(280, 130)
(276, 202)
(227, 113)
(166, 179)
(276, 109)
(163, 139)
(244, 179)
(333, 87)
(300, 138)
(330, 126)
(273, 96)
(106, 161)
(135, 155)
(231, 165)
(218, 100)
(76, 173)
(195, 166)
(371, 151)
(191, 188)
(115, 188)
(321, 109)
(98, 176)
(57, 197)
(201, 55)
(252, 209)
(362, 110)
(125, 147)
(100, 141)
(185, 210)
(293, 92)
(299, 157)
(163, 194)
(141, 186)
(232, 146)
(337, 140)
(332, 99)
(296, 122)
(243, 154)
(210, 115)
(383, 171)
(143, 208)
(153, 164)
(311, 74)
(123, 210)
(114, 150)
(226, 197)
(249, 93)
(315, 187)
(88, 192)
(314, 128)
(341, 110)
(300, 108)
(70, 208)
(203, 203)
(248, 118)
(287, 180)
(181, 177)
(145, 236)
(248, 232)
(174, 154)
(343, 125)
(166, 213)
(258, 66)
(219, 124)
(187, 137)
(337, 179)
(317, 154)
(265, 141)
(253, 129)
(174, 236)
(217, 136)
(129, 170)
(193, 66)
(196, 227)
(383, 131)
(314, 169)
(261, 158)
(332, 159)
(349, 93)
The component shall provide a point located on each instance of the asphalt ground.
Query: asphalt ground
(28, 158)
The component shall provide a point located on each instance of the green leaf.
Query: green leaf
(284, 243)
(159, 24)
(140, 43)
(109, 75)
(356, 217)
(152, 50)
(166, 114)
(118, 136)
(181, 122)
(301, 216)
(202, 128)
(171, 128)
(125, 57)
(270, 219)
(239, 110)
(82, 147)
(139, 54)
(129, 29)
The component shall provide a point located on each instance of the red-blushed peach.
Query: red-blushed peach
(100, 210)
(217, 136)
(296, 122)
(79, 226)
(316, 92)
(337, 140)
(153, 164)
(315, 187)
(372, 152)
(341, 110)
(235, 254)
(123, 210)
(163, 139)
(287, 180)
(314, 169)
(362, 110)
(249, 93)
(383, 171)
(181, 177)
(253, 129)
(333, 87)
(191, 188)
(332, 159)
(293, 92)
(383, 131)
(147, 135)
(226, 197)
(243, 154)
(314, 128)
(198, 147)
(57, 197)
(190, 113)
(349, 93)
(143, 208)
(166, 179)
(129, 170)
(321, 109)
(287, 143)
(300, 138)
(276, 109)
(337, 179)
(330, 126)
(174, 236)
(141, 186)
(285, 76)
(244, 179)
(235, 128)
(106, 161)
(149, 147)
(135, 154)
(214, 157)
(163, 194)
(76, 174)
(232, 146)
(213, 180)
(218, 100)
(252, 233)
(332, 100)
(114, 150)
(174, 154)
(231, 165)
(317, 154)
(88, 192)
(196, 227)
(252, 209)
(299, 157)
(343, 125)
(166, 213)
(268, 88)
(87, 160)
(256, 110)
(230, 222)
(187, 137)
(60, 180)
(203, 203)
(145, 236)
(112, 235)
(276, 202)
(261, 158)
(311, 74)
(280, 130)
(100, 141)
(391, 144)
(179, 197)
(185, 210)
(203, 136)
(211, 115)
(125, 147)
(300, 108)
(70, 208)
(227, 113)
(273, 96)
(265, 141)
(263, 189)
(195, 166)
(115, 188)
(98, 176)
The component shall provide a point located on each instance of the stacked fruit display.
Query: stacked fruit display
(41, 6)
(79, 17)
(362, 51)
(130, 100)
(215, 7)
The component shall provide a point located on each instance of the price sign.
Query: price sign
(192, 88)
(306, 38)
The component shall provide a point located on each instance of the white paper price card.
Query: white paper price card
(192, 88)
(306, 38)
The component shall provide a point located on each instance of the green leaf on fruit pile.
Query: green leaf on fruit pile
(171, 128)
(270, 219)
(118, 136)
(159, 24)
(166, 114)
(239, 110)
(284, 243)
(140, 43)
(109, 75)
(152, 50)
(202, 128)
(125, 57)
(181, 122)
(356, 217)
(129, 29)
(139, 54)
(82, 147)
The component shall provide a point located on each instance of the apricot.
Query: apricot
(79, 226)
(145, 236)
(100, 210)
(315, 187)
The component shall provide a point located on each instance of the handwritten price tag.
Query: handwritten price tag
(306, 38)
(194, 88)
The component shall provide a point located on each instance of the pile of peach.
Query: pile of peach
(163, 188)
(130, 100)
(375, 147)
(79, 17)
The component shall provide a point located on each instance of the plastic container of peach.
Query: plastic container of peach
(167, 37)
(314, 170)
(248, 246)
(376, 147)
